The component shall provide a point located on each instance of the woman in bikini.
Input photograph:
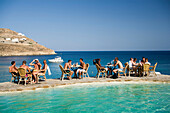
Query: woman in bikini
(36, 70)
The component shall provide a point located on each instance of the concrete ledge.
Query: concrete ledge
(50, 83)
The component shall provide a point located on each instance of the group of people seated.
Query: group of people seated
(134, 65)
(79, 71)
(117, 65)
(37, 68)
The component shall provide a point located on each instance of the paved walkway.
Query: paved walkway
(49, 83)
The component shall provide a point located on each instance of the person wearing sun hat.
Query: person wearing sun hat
(37, 66)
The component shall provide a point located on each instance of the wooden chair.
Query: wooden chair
(124, 70)
(14, 76)
(63, 73)
(42, 73)
(23, 77)
(153, 69)
(99, 70)
(146, 69)
(85, 73)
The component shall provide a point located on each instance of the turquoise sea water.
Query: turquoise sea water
(97, 97)
(162, 57)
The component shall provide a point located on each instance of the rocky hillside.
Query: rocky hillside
(17, 44)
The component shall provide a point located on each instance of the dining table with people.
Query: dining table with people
(116, 66)
(75, 68)
(111, 70)
(29, 70)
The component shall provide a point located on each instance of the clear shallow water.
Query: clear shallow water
(162, 57)
(104, 97)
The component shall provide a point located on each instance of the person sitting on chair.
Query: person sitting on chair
(134, 62)
(120, 66)
(131, 63)
(67, 68)
(147, 62)
(82, 68)
(25, 67)
(13, 69)
(45, 66)
(97, 61)
(37, 67)
(135, 65)
(142, 62)
(144, 59)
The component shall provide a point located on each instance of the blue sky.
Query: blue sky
(90, 25)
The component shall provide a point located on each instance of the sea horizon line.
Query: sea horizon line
(111, 50)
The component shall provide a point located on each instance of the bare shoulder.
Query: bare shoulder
(66, 63)
(83, 63)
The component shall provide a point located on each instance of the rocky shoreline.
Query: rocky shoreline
(8, 87)
(15, 44)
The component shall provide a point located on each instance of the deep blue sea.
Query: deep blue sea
(113, 97)
(162, 57)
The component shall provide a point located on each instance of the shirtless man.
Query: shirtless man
(82, 68)
(67, 68)
(13, 69)
(117, 62)
(45, 66)
(36, 70)
(25, 66)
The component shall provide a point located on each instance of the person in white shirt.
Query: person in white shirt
(146, 61)
(135, 65)
(131, 63)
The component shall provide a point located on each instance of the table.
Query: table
(74, 68)
(111, 67)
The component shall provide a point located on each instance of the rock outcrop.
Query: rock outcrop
(17, 44)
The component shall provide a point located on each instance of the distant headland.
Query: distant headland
(17, 44)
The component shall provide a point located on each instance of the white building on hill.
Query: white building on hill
(15, 40)
(7, 38)
(21, 34)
